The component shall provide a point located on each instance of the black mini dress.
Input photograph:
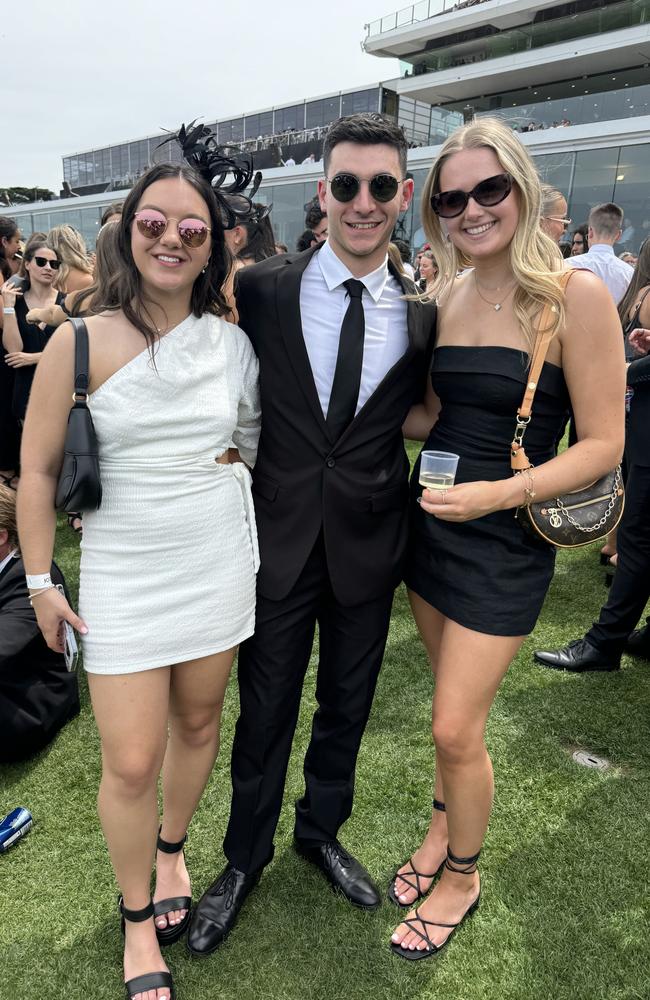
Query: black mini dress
(34, 340)
(488, 574)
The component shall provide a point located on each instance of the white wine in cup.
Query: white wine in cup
(437, 470)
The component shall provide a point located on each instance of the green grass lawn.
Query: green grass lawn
(565, 867)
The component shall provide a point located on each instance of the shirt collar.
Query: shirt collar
(335, 272)
(12, 555)
(601, 248)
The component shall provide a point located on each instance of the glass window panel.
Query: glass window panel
(359, 102)
(632, 194)
(594, 181)
(70, 216)
(89, 227)
(225, 131)
(86, 169)
(98, 166)
(290, 118)
(411, 222)
(557, 169)
(67, 168)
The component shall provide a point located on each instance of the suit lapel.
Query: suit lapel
(288, 305)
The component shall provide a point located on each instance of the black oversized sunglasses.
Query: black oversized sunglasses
(345, 187)
(42, 261)
(491, 191)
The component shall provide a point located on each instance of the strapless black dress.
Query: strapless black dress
(489, 574)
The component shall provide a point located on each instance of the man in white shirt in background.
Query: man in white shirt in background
(605, 225)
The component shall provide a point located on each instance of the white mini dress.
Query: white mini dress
(168, 562)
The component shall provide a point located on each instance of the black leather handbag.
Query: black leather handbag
(573, 519)
(79, 487)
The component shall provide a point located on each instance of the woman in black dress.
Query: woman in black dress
(9, 427)
(23, 341)
(476, 581)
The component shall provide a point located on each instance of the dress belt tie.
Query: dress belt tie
(244, 478)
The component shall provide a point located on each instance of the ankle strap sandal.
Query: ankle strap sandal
(169, 934)
(150, 980)
(418, 925)
(461, 866)
(412, 871)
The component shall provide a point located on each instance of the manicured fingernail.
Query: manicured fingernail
(83, 630)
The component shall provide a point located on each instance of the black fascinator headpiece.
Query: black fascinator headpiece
(227, 170)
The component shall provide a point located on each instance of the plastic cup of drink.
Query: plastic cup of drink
(438, 470)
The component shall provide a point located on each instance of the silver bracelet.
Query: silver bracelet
(8, 311)
(39, 592)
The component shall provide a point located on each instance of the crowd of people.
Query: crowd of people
(251, 406)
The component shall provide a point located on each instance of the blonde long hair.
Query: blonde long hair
(535, 259)
(70, 248)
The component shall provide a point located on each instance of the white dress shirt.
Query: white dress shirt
(601, 259)
(323, 304)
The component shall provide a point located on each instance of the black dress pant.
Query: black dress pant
(272, 667)
(630, 588)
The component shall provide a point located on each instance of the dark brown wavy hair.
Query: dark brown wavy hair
(640, 279)
(127, 292)
(102, 292)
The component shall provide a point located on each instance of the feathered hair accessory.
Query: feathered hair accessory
(217, 164)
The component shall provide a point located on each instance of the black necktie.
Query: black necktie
(347, 376)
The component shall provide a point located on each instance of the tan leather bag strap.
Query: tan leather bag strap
(543, 338)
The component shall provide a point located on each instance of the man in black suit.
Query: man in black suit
(37, 694)
(342, 358)
(615, 632)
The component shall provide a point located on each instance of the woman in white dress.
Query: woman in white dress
(167, 584)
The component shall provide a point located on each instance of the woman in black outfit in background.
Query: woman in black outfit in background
(9, 427)
(23, 341)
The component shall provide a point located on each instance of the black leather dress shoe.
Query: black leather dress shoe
(345, 873)
(577, 656)
(216, 912)
(639, 643)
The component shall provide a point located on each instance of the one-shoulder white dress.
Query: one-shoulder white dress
(169, 560)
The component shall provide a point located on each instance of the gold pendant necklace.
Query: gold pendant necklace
(495, 305)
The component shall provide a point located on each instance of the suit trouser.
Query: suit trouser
(630, 588)
(271, 672)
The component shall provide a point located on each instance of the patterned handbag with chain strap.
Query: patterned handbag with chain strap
(582, 516)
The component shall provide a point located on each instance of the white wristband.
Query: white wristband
(39, 581)
(9, 311)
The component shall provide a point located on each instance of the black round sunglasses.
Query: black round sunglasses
(491, 191)
(345, 187)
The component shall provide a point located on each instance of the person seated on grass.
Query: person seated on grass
(37, 694)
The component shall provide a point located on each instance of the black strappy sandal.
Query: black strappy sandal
(405, 876)
(468, 868)
(167, 935)
(150, 980)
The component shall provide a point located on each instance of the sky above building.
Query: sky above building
(78, 75)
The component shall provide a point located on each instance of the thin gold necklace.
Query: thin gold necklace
(495, 305)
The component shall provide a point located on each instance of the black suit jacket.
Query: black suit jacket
(638, 426)
(37, 694)
(354, 488)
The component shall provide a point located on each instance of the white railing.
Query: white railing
(416, 12)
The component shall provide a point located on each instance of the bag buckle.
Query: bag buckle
(520, 429)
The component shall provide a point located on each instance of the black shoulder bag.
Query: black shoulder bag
(79, 487)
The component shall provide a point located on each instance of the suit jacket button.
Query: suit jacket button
(331, 462)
